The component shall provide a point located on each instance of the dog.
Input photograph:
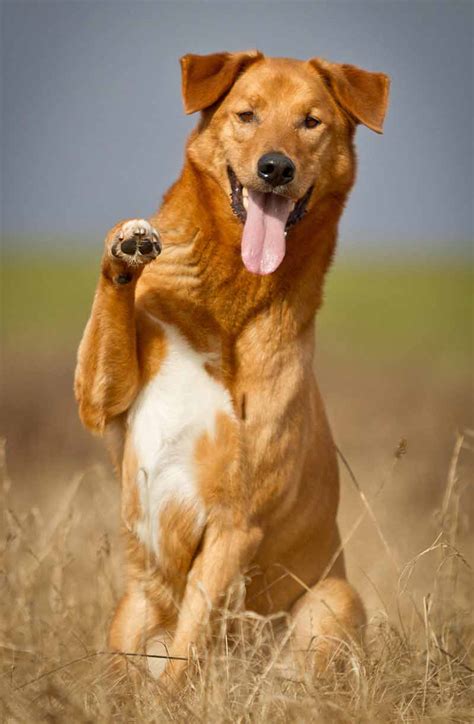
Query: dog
(196, 364)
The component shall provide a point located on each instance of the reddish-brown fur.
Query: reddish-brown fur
(268, 477)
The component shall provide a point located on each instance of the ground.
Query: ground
(394, 361)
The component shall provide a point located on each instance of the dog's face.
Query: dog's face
(277, 133)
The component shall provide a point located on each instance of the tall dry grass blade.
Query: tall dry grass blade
(4, 476)
(448, 500)
(367, 505)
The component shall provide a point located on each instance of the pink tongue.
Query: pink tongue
(263, 240)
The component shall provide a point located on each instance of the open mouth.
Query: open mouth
(266, 218)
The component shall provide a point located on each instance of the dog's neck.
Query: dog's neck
(202, 249)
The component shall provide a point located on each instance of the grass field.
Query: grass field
(394, 362)
(396, 311)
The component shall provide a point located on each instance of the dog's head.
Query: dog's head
(279, 132)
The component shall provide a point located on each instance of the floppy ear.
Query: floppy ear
(362, 94)
(205, 78)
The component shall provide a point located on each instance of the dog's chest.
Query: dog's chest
(171, 413)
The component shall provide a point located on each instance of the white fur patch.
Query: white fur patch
(169, 415)
(133, 225)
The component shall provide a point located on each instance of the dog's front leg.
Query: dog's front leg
(226, 554)
(107, 373)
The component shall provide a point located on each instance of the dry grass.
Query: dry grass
(60, 580)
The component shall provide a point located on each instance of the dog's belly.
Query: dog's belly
(171, 414)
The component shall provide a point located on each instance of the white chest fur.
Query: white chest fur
(169, 415)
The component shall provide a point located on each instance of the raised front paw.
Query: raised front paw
(134, 242)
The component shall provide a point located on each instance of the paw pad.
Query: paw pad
(137, 242)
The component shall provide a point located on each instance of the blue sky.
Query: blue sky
(93, 127)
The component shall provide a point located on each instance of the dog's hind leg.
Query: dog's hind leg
(135, 620)
(107, 373)
(327, 622)
(138, 633)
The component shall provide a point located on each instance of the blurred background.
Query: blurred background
(93, 131)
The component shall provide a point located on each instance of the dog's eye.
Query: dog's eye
(311, 122)
(246, 116)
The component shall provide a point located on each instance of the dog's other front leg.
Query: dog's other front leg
(107, 373)
(226, 553)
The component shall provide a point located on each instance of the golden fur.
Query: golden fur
(267, 477)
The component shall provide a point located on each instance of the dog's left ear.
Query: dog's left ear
(362, 94)
(205, 78)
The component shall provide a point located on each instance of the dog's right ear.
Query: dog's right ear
(205, 78)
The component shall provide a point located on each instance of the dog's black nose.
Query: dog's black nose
(276, 169)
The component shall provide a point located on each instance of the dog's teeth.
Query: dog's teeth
(245, 201)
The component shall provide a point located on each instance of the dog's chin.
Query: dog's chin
(239, 195)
